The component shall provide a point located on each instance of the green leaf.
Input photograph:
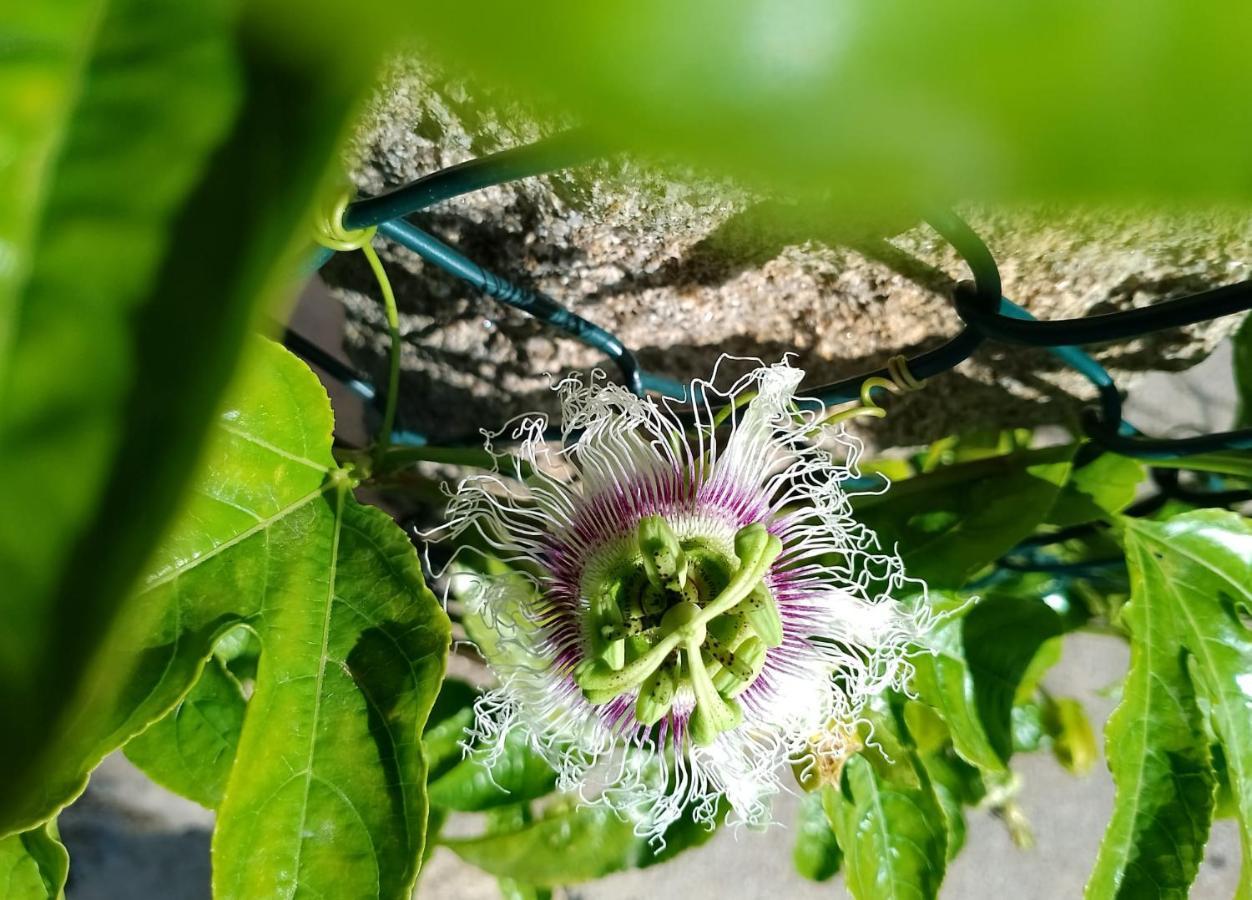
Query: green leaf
(517, 775)
(683, 835)
(33, 864)
(466, 783)
(327, 791)
(1156, 749)
(1073, 741)
(447, 726)
(893, 836)
(192, 748)
(1230, 462)
(240, 651)
(159, 158)
(573, 842)
(1101, 488)
(1195, 572)
(568, 844)
(1038, 100)
(516, 890)
(502, 821)
(976, 667)
(956, 785)
(816, 854)
(952, 522)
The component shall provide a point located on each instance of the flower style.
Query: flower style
(693, 604)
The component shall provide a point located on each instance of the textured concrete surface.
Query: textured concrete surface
(684, 267)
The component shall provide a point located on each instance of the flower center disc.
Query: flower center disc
(681, 618)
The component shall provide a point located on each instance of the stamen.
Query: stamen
(663, 556)
(736, 652)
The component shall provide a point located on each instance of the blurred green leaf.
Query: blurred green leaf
(816, 853)
(328, 785)
(930, 734)
(465, 783)
(952, 522)
(890, 102)
(1098, 490)
(573, 842)
(33, 864)
(893, 836)
(447, 726)
(1230, 462)
(516, 890)
(957, 785)
(1073, 740)
(158, 160)
(1047, 656)
(1154, 740)
(503, 821)
(517, 775)
(971, 668)
(567, 845)
(1195, 573)
(683, 835)
(240, 651)
(1029, 733)
(191, 749)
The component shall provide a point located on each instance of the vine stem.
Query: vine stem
(398, 457)
(393, 328)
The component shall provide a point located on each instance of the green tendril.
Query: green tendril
(330, 232)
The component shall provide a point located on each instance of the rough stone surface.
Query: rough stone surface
(685, 268)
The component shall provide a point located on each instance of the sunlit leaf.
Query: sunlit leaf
(957, 785)
(1101, 488)
(33, 865)
(447, 726)
(816, 853)
(952, 522)
(1229, 462)
(566, 845)
(894, 837)
(191, 749)
(328, 786)
(1154, 740)
(502, 821)
(517, 774)
(971, 668)
(1073, 740)
(573, 842)
(157, 162)
(1195, 571)
(891, 101)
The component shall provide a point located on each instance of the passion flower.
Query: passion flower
(691, 602)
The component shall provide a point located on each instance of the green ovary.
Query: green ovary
(681, 617)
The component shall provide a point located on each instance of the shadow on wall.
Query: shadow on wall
(451, 387)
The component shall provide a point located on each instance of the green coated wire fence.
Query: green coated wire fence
(984, 312)
(986, 315)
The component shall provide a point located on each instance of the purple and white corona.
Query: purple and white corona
(692, 604)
